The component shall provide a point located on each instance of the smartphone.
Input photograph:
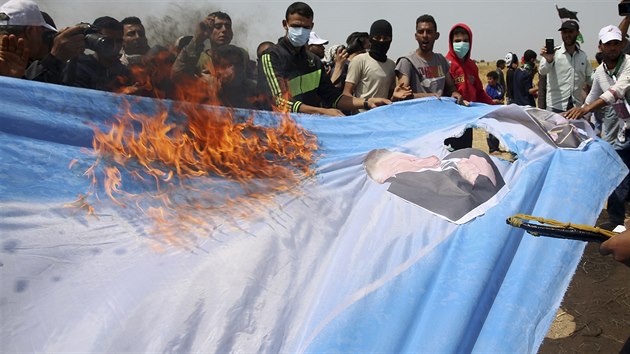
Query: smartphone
(624, 8)
(549, 46)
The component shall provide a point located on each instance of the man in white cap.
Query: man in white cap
(610, 87)
(568, 70)
(48, 50)
(316, 45)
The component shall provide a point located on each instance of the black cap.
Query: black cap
(570, 24)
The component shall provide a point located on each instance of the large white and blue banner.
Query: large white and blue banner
(337, 261)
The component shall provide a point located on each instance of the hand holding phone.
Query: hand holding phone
(624, 8)
(549, 46)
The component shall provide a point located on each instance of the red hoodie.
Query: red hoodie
(465, 72)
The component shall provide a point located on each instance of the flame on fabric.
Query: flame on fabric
(198, 160)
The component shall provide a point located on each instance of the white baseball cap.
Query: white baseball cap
(609, 33)
(22, 13)
(315, 39)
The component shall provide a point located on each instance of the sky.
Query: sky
(498, 26)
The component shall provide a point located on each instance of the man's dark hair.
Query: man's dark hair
(459, 30)
(529, 55)
(500, 62)
(265, 43)
(131, 20)
(230, 54)
(493, 74)
(107, 22)
(354, 42)
(427, 18)
(221, 15)
(299, 8)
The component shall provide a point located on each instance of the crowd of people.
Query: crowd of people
(297, 73)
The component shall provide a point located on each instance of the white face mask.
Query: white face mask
(298, 36)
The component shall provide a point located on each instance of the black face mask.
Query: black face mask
(378, 51)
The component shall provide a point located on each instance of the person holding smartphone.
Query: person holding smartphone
(568, 71)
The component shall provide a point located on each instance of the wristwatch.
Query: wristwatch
(365, 104)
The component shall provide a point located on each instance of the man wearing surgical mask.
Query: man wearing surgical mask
(465, 74)
(293, 79)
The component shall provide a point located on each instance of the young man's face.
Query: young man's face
(569, 36)
(297, 20)
(461, 37)
(426, 35)
(134, 39)
(221, 32)
(611, 50)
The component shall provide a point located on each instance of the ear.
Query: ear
(285, 25)
(437, 35)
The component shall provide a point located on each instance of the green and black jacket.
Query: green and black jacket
(294, 78)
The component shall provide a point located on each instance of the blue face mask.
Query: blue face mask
(298, 36)
(461, 49)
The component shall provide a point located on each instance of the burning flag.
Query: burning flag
(287, 244)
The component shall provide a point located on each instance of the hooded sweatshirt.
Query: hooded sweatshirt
(465, 72)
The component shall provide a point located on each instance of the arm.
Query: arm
(449, 86)
(402, 80)
(348, 89)
(68, 44)
(186, 62)
(547, 64)
(596, 99)
(340, 60)
(271, 81)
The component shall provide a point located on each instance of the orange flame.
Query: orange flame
(192, 154)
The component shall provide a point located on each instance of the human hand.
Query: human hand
(402, 92)
(548, 57)
(618, 246)
(574, 113)
(204, 30)
(69, 43)
(13, 56)
(460, 99)
(377, 102)
(332, 112)
(341, 56)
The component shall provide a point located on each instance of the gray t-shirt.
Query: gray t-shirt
(433, 73)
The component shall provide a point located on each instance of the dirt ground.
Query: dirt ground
(595, 314)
